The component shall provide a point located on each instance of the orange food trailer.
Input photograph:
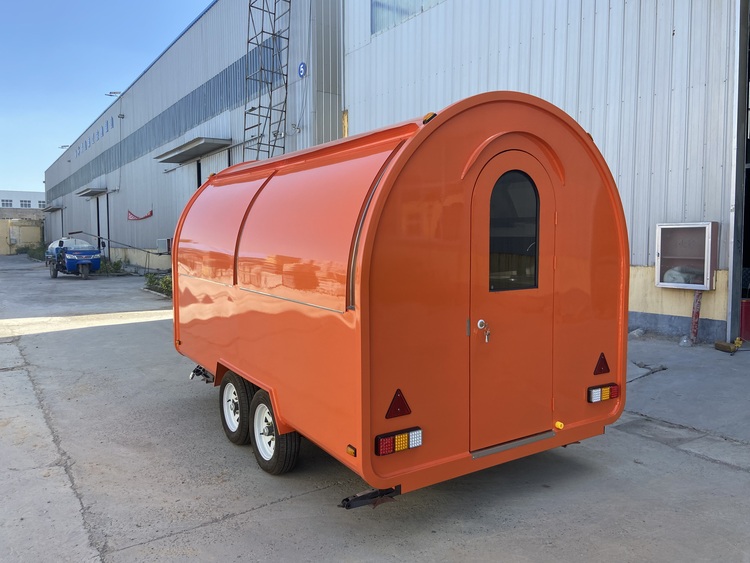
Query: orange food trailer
(421, 302)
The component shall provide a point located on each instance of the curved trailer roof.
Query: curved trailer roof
(304, 213)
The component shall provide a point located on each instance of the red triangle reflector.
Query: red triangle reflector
(399, 406)
(601, 366)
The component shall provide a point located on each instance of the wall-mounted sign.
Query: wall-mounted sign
(302, 70)
(96, 135)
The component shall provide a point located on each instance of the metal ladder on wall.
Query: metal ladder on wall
(266, 78)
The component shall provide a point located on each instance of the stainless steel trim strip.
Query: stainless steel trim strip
(513, 444)
(255, 291)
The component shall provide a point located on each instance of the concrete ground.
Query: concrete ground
(108, 452)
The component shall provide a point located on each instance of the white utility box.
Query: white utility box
(686, 255)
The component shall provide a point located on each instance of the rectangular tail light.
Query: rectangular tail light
(603, 393)
(386, 444)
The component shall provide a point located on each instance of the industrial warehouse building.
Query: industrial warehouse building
(660, 86)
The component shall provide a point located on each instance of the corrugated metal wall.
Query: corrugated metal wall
(314, 103)
(653, 81)
(193, 89)
(196, 88)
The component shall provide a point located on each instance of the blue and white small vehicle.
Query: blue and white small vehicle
(72, 256)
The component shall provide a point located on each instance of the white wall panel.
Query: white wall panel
(651, 80)
(213, 164)
(315, 39)
(646, 62)
(205, 49)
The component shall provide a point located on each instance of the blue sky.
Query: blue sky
(58, 59)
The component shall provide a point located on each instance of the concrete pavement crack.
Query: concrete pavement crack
(699, 434)
(219, 519)
(64, 459)
(650, 370)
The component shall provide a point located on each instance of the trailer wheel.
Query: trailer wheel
(235, 409)
(275, 453)
(84, 271)
(52, 270)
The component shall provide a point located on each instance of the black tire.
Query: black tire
(52, 270)
(85, 269)
(275, 453)
(234, 407)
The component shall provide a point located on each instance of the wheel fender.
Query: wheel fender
(222, 367)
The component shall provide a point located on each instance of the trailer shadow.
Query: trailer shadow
(151, 462)
(529, 479)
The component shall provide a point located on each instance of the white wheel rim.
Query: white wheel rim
(265, 432)
(231, 407)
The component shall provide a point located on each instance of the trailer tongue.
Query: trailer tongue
(374, 497)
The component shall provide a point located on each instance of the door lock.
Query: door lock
(482, 325)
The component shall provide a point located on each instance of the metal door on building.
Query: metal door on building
(512, 277)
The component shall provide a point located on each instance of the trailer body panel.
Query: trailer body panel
(452, 288)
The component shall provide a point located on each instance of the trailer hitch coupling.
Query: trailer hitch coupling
(375, 497)
(201, 372)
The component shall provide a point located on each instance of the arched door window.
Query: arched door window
(514, 233)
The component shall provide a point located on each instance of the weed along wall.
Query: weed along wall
(149, 259)
(422, 302)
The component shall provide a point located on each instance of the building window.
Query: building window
(7, 203)
(26, 203)
(41, 204)
(385, 14)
